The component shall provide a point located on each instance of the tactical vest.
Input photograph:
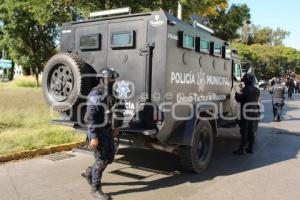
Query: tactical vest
(278, 91)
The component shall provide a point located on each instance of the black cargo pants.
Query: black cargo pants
(248, 129)
(104, 154)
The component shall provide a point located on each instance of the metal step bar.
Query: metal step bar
(126, 130)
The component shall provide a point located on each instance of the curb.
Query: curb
(38, 152)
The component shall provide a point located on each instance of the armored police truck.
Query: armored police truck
(177, 80)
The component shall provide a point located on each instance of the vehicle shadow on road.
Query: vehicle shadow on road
(271, 148)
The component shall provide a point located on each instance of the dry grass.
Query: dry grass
(24, 121)
(26, 81)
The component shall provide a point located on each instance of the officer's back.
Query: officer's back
(249, 100)
(278, 91)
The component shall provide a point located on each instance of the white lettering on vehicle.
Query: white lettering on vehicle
(218, 80)
(156, 22)
(193, 97)
(182, 78)
(199, 78)
(172, 36)
(130, 108)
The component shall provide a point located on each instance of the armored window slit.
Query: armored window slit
(90, 42)
(123, 39)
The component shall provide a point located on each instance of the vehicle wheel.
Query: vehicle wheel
(63, 82)
(196, 158)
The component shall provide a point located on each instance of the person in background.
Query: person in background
(298, 86)
(290, 85)
(278, 91)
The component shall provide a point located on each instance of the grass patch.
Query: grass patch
(14, 140)
(26, 81)
(24, 122)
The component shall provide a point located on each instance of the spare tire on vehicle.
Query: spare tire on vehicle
(65, 81)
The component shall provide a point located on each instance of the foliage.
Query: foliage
(262, 35)
(266, 35)
(270, 61)
(202, 7)
(30, 30)
(227, 22)
(224, 22)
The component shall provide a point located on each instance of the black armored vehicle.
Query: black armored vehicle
(177, 80)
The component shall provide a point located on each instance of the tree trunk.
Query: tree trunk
(37, 79)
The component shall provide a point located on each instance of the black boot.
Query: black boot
(87, 174)
(239, 151)
(249, 150)
(98, 194)
(278, 119)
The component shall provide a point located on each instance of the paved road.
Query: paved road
(272, 173)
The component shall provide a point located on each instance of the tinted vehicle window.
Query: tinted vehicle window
(204, 46)
(188, 41)
(90, 42)
(122, 39)
(217, 49)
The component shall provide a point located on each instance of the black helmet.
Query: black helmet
(108, 73)
(248, 79)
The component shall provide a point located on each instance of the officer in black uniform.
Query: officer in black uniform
(103, 118)
(249, 114)
(278, 91)
(291, 85)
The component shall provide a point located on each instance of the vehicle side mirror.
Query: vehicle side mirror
(236, 78)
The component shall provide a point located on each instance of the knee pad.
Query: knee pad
(101, 165)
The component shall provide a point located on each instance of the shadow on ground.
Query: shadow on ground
(273, 147)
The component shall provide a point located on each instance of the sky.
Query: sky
(276, 13)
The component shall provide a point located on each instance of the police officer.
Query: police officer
(291, 85)
(248, 98)
(103, 117)
(277, 91)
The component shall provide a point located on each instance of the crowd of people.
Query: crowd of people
(292, 85)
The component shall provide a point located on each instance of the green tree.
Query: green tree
(201, 7)
(278, 36)
(227, 22)
(245, 33)
(267, 35)
(270, 61)
(30, 30)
